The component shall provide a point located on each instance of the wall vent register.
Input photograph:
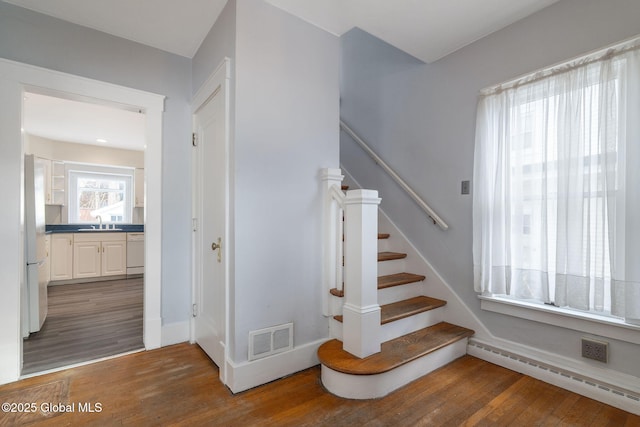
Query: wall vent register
(268, 341)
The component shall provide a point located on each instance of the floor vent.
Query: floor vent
(268, 341)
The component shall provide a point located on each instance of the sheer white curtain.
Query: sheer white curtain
(556, 187)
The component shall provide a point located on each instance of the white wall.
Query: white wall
(287, 109)
(420, 118)
(40, 40)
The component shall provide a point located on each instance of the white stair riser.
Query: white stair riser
(375, 386)
(400, 293)
(335, 329)
(385, 245)
(386, 268)
(410, 324)
(397, 328)
(385, 296)
(335, 304)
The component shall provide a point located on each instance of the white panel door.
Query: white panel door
(210, 127)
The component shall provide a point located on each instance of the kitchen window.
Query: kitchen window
(100, 193)
(557, 189)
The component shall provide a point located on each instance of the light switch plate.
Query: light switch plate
(465, 187)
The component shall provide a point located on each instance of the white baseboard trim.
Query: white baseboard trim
(152, 333)
(175, 333)
(618, 390)
(246, 375)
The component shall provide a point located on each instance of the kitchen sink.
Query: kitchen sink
(100, 229)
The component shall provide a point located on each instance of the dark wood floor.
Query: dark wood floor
(87, 321)
(179, 385)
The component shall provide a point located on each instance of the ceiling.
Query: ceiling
(426, 29)
(174, 26)
(84, 123)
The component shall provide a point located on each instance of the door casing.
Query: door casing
(15, 79)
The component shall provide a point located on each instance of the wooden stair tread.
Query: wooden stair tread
(337, 292)
(398, 279)
(387, 282)
(393, 353)
(409, 307)
(388, 256)
(401, 309)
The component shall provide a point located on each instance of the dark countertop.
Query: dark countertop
(74, 228)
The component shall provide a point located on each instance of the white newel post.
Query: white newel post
(331, 230)
(361, 312)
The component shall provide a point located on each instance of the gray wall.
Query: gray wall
(287, 110)
(40, 40)
(284, 114)
(420, 118)
(219, 43)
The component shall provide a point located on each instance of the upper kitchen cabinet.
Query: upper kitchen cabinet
(54, 181)
(58, 183)
(139, 188)
(46, 168)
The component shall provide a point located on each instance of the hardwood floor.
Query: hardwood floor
(87, 321)
(179, 385)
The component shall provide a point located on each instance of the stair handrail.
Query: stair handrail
(337, 194)
(378, 160)
(333, 250)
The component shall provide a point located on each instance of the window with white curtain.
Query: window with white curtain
(557, 188)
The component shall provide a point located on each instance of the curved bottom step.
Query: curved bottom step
(374, 386)
(399, 362)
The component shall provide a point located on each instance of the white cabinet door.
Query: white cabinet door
(61, 266)
(46, 166)
(138, 188)
(86, 260)
(114, 258)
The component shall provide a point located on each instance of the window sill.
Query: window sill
(584, 322)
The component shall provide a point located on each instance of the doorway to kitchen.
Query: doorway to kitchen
(16, 79)
(92, 233)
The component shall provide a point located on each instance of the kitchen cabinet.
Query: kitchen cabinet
(46, 168)
(61, 250)
(58, 183)
(99, 254)
(86, 259)
(138, 188)
(54, 181)
(114, 257)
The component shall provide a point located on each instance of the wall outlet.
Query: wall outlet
(465, 188)
(595, 350)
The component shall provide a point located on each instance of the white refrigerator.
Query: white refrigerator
(35, 247)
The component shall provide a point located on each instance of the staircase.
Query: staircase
(415, 340)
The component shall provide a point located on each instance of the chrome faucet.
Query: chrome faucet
(99, 219)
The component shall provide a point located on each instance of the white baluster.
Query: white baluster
(331, 240)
